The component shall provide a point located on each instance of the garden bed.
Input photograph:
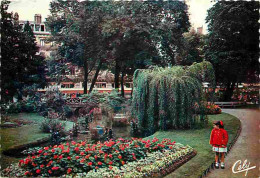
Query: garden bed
(135, 157)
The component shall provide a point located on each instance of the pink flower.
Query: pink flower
(38, 171)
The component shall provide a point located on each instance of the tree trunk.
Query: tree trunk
(229, 91)
(95, 76)
(122, 84)
(117, 72)
(85, 83)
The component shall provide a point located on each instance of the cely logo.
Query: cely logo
(239, 167)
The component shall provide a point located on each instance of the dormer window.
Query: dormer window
(42, 28)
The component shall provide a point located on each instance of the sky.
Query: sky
(27, 8)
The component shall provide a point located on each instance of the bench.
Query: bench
(230, 104)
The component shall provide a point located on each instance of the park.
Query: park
(128, 89)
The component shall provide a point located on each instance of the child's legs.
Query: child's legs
(222, 157)
(216, 157)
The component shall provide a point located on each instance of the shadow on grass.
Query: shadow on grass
(199, 140)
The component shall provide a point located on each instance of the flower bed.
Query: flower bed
(213, 109)
(136, 157)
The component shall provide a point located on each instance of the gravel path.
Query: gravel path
(247, 146)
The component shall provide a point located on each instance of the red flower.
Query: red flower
(38, 171)
(110, 163)
(55, 168)
(73, 143)
(87, 156)
(90, 163)
(21, 161)
(82, 160)
(45, 154)
(69, 158)
(134, 157)
(100, 151)
(95, 156)
(55, 156)
(27, 173)
(53, 150)
(40, 151)
(110, 167)
(119, 156)
(76, 149)
(77, 157)
(99, 163)
(82, 153)
(69, 170)
(49, 171)
(27, 161)
(110, 156)
(122, 162)
(96, 167)
(46, 148)
(42, 166)
(60, 156)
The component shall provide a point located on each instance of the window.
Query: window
(37, 27)
(32, 26)
(42, 28)
(129, 85)
(42, 42)
(101, 85)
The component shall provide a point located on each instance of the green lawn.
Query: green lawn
(199, 140)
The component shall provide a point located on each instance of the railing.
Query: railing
(230, 104)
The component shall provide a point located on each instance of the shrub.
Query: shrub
(212, 109)
(53, 125)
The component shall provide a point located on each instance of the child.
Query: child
(219, 140)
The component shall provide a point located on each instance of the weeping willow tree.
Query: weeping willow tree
(169, 98)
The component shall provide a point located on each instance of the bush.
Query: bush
(53, 125)
(121, 122)
(211, 108)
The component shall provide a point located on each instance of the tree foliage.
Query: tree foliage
(129, 35)
(20, 66)
(166, 98)
(233, 43)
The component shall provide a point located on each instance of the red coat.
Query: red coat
(219, 138)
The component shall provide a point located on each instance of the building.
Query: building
(72, 80)
(41, 33)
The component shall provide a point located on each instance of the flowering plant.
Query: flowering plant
(78, 157)
(212, 109)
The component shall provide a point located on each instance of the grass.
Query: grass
(22, 135)
(199, 140)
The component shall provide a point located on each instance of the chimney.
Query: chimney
(16, 19)
(200, 30)
(37, 18)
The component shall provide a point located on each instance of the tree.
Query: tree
(108, 31)
(193, 48)
(169, 98)
(20, 66)
(233, 43)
